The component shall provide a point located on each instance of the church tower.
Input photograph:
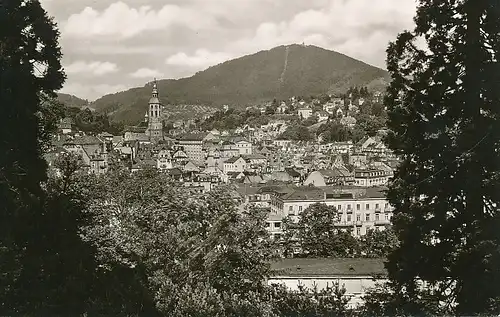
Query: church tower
(155, 123)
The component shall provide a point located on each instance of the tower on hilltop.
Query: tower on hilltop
(155, 123)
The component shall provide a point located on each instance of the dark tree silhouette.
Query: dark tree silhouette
(30, 71)
(444, 117)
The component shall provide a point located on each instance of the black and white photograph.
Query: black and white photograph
(227, 158)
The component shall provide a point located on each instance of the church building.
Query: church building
(152, 127)
(155, 122)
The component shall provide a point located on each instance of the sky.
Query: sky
(110, 46)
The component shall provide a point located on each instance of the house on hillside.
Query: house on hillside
(282, 108)
(282, 143)
(304, 112)
(322, 116)
(93, 152)
(348, 121)
(244, 147)
(235, 165)
(66, 125)
(164, 160)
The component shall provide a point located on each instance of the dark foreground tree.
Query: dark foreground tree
(194, 256)
(30, 69)
(445, 119)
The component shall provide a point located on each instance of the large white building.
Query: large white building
(192, 144)
(355, 275)
(359, 209)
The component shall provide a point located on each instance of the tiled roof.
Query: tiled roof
(335, 172)
(86, 139)
(328, 267)
(305, 193)
(245, 189)
(193, 136)
(232, 159)
(376, 192)
(292, 172)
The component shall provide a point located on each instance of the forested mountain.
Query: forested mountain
(282, 72)
(71, 101)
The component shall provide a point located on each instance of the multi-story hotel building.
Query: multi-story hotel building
(358, 209)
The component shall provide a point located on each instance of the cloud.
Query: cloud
(176, 38)
(120, 20)
(202, 58)
(352, 27)
(146, 73)
(92, 68)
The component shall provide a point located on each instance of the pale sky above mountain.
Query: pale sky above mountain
(110, 46)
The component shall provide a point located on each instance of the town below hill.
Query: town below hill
(276, 156)
(305, 161)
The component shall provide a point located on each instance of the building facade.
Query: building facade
(358, 210)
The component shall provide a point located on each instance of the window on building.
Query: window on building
(300, 208)
(277, 224)
(377, 217)
(348, 218)
(339, 207)
(277, 236)
(367, 207)
(377, 206)
(358, 231)
(358, 207)
(290, 208)
(358, 217)
(367, 217)
(386, 217)
(349, 206)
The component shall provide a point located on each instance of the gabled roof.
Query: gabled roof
(255, 179)
(233, 159)
(292, 172)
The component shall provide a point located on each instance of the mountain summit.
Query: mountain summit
(282, 72)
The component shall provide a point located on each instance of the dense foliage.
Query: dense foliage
(91, 122)
(194, 255)
(72, 101)
(234, 118)
(316, 234)
(445, 124)
(297, 132)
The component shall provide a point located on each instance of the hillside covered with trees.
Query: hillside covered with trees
(281, 72)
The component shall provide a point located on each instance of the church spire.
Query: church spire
(155, 89)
